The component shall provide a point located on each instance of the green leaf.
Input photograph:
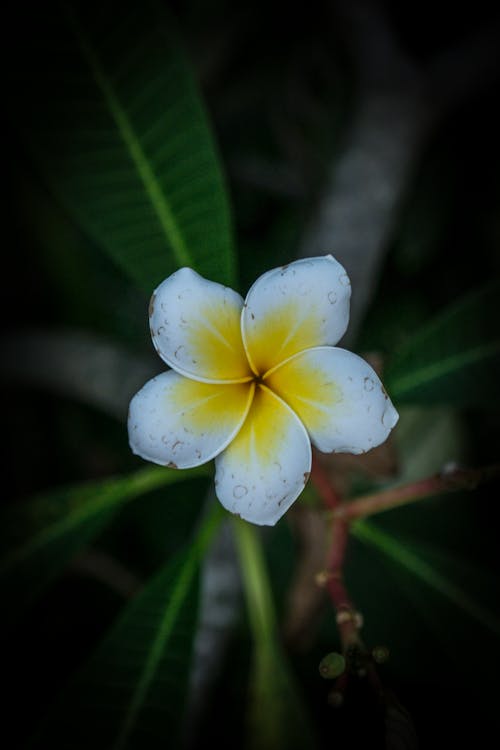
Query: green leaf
(276, 714)
(41, 535)
(455, 359)
(78, 277)
(132, 691)
(406, 556)
(110, 111)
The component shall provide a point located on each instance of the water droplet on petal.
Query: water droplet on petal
(369, 384)
(240, 491)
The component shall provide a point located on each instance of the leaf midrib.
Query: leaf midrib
(166, 626)
(441, 367)
(146, 173)
(421, 569)
(155, 652)
(144, 481)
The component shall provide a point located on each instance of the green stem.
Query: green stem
(257, 587)
(271, 694)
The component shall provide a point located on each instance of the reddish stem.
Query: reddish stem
(348, 620)
(448, 481)
(321, 480)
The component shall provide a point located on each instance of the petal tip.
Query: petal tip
(390, 416)
(257, 520)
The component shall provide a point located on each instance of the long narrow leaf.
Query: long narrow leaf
(109, 109)
(41, 535)
(132, 691)
(455, 359)
(408, 559)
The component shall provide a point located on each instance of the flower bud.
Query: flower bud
(332, 665)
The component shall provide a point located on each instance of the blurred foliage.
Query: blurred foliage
(120, 136)
(133, 689)
(138, 143)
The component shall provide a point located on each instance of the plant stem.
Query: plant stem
(322, 482)
(348, 619)
(274, 710)
(257, 587)
(447, 481)
(342, 515)
(331, 578)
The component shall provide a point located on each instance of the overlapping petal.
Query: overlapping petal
(298, 306)
(265, 467)
(178, 422)
(254, 383)
(195, 326)
(338, 397)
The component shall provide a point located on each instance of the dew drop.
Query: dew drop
(369, 384)
(240, 491)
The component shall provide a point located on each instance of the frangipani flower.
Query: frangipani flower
(254, 382)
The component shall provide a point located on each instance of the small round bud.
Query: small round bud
(380, 654)
(332, 665)
(322, 578)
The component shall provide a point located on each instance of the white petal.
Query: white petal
(181, 423)
(338, 397)
(293, 308)
(195, 326)
(266, 466)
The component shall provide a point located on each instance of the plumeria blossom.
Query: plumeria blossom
(254, 382)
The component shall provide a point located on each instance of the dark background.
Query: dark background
(284, 87)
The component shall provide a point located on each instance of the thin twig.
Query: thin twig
(321, 480)
(348, 619)
(331, 578)
(447, 481)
